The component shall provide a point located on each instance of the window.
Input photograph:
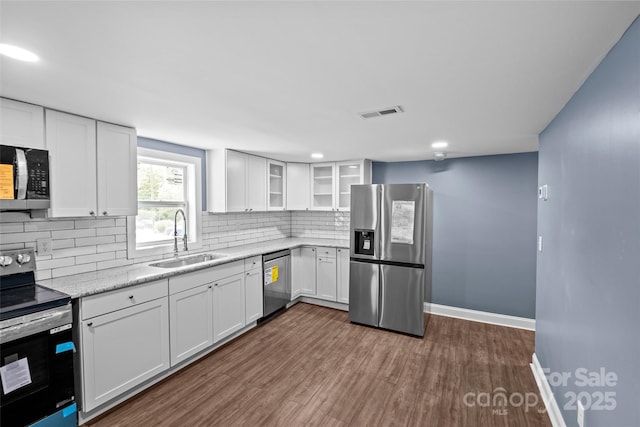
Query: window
(166, 182)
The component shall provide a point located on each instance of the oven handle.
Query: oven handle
(54, 320)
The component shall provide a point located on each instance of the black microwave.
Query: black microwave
(24, 178)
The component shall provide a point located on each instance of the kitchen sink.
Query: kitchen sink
(187, 260)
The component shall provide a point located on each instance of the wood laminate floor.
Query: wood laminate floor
(310, 366)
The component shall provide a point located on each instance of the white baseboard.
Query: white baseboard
(481, 316)
(324, 303)
(553, 410)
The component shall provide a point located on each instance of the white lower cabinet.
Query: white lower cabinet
(326, 278)
(228, 306)
(303, 271)
(191, 320)
(253, 295)
(125, 346)
(343, 275)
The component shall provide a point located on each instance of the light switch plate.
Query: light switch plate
(539, 243)
(543, 192)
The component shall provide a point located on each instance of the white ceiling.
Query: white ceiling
(284, 79)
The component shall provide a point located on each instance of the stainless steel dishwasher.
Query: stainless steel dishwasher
(277, 281)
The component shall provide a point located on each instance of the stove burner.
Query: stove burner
(19, 294)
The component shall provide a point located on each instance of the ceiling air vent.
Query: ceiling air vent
(384, 112)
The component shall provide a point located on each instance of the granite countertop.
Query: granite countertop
(81, 285)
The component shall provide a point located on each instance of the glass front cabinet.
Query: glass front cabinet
(277, 183)
(331, 183)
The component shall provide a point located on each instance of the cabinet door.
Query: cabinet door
(303, 271)
(347, 174)
(343, 275)
(71, 141)
(236, 181)
(191, 320)
(122, 349)
(322, 186)
(228, 306)
(256, 183)
(277, 185)
(297, 274)
(117, 170)
(21, 124)
(326, 278)
(298, 187)
(253, 295)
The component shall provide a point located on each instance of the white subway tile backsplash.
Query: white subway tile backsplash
(43, 274)
(43, 225)
(23, 237)
(55, 263)
(68, 234)
(83, 245)
(76, 269)
(63, 243)
(66, 252)
(95, 223)
(104, 256)
(104, 231)
(12, 227)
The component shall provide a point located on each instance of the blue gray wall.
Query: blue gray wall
(484, 229)
(588, 277)
(170, 147)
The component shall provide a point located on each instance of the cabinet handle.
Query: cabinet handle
(215, 284)
(247, 274)
(90, 324)
(104, 212)
(92, 213)
(130, 296)
(210, 286)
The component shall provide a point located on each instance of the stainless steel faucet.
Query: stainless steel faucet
(175, 232)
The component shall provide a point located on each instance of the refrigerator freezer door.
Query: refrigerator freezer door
(403, 218)
(402, 299)
(364, 280)
(365, 218)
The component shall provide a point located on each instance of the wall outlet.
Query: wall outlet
(580, 414)
(44, 247)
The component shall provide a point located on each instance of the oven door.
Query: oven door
(37, 373)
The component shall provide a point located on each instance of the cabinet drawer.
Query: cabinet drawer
(253, 262)
(201, 277)
(326, 252)
(96, 305)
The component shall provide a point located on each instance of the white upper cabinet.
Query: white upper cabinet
(298, 186)
(92, 166)
(276, 185)
(237, 181)
(21, 124)
(347, 174)
(117, 171)
(71, 141)
(331, 183)
(322, 186)
(256, 183)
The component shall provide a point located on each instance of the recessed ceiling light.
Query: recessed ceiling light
(18, 53)
(440, 144)
(317, 155)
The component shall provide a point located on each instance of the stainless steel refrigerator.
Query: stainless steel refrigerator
(390, 256)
